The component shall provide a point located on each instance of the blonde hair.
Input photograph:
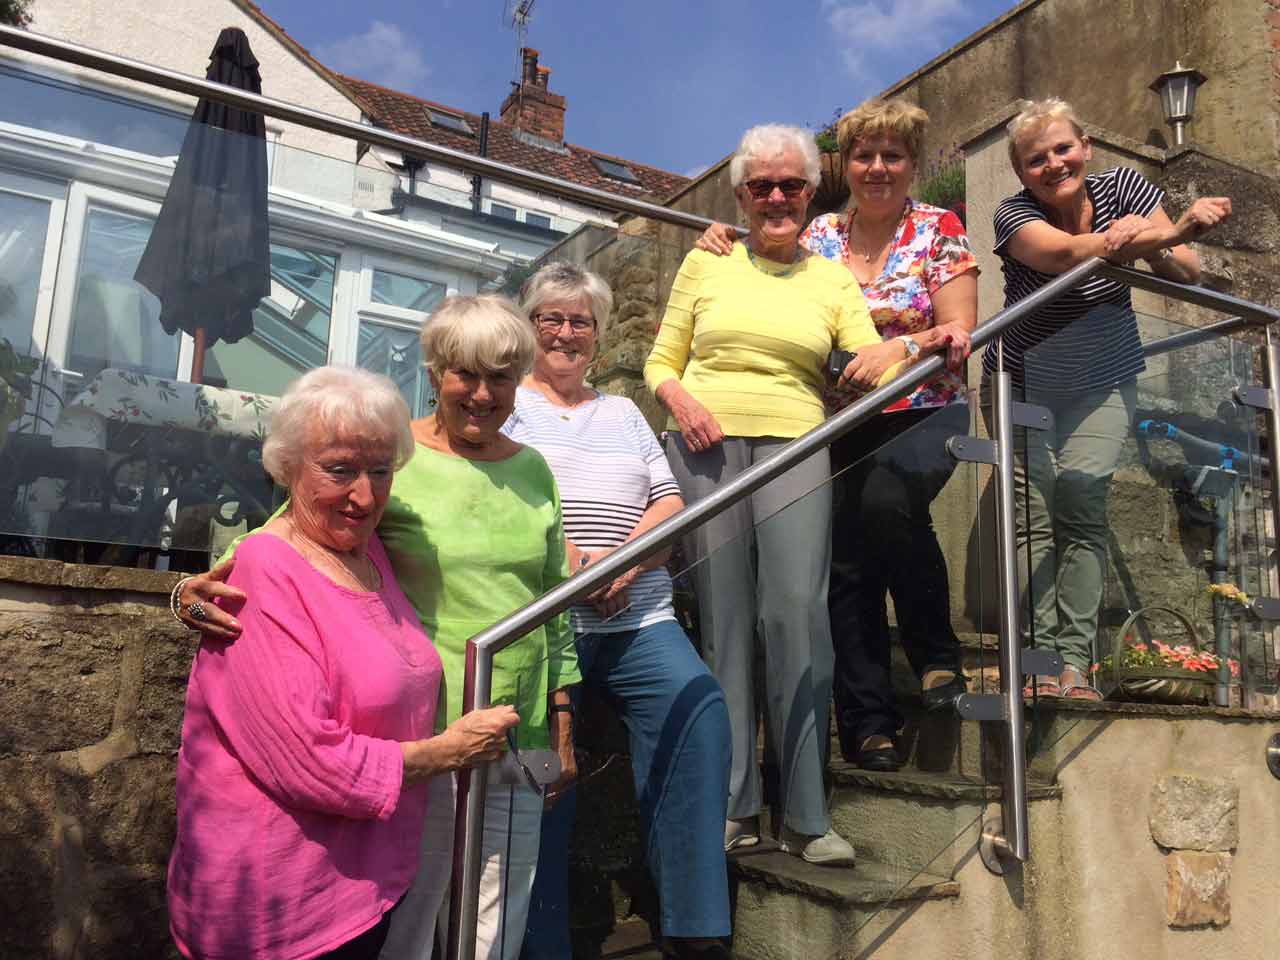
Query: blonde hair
(341, 405)
(482, 333)
(878, 116)
(567, 281)
(769, 140)
(1033, 116)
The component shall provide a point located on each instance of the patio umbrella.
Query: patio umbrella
(208, 257)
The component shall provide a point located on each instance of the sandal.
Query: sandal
(1042, 687)
(1073, 685)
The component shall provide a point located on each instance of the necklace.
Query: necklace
(867, 253)
(795, 262)
(369, 579)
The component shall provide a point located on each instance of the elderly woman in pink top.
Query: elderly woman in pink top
(307, 744)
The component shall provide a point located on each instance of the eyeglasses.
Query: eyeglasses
(552, 322)
(762, 189)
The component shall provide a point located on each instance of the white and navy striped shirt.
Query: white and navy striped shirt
(609, 468)
(1088, 338)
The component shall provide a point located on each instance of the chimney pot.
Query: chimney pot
(544, 75)
(529, 71)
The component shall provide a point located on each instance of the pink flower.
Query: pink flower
(1140, 646)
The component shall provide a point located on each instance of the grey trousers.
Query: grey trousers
(1063, 477)
(761, 574)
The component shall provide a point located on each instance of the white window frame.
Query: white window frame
(81, 197)
(384, 313)
(55, 194)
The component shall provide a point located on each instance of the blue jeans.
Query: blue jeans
(678, 728)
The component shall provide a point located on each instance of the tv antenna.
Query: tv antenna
(517, 15)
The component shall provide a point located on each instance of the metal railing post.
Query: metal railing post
(468, 822)
(1273, 426)
(1013, 841)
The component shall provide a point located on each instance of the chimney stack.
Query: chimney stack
(531, 106)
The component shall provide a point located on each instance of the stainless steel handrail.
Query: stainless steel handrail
(1199, 296)
(482, 648)
(173, 80)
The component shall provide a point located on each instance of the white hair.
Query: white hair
(481, 333)
(561, 281)
(338, 405)
(769, 140)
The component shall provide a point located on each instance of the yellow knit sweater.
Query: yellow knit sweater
(749, 341)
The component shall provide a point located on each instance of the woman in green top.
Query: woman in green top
(473, 530)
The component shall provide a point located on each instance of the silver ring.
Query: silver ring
(195, 610)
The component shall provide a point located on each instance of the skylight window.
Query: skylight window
(448, 121)
(615, 170)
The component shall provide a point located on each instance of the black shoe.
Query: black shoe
(944, 696)
(879, 759)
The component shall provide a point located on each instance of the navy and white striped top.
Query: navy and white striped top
(609, 468)
(1088, 338)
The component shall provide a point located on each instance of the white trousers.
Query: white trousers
(512, 827)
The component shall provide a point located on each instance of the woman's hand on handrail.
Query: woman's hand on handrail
(204, 588)
(957, 341)
(718, 238)
(474, 738)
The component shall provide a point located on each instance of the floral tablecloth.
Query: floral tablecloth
(120, 396)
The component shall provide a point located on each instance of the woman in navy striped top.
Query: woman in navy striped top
(614, 485)
(1080, 356)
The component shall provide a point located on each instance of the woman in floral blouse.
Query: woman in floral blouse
(917, 271)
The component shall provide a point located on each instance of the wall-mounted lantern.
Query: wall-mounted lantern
(1177, 91)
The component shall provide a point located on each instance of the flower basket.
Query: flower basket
(1159, 673)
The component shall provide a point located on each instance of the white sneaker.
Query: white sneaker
(741, 833)
(830, 849)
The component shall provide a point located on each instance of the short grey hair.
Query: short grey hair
(484, 333)
(563, 281)
(338, 405)
(769, 140)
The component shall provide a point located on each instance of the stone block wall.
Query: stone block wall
(93, 676)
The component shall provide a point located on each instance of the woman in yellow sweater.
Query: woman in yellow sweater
(738, 364)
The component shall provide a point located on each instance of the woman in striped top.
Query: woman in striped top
(1079, 356)
(614, 485)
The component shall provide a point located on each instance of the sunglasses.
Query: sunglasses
(762, 189)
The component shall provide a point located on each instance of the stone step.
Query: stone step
(787, 908)
(914, 820)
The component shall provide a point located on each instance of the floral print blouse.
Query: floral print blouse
(929, 249)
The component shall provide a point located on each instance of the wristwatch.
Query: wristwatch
(913, 348)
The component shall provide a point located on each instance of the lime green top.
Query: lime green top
(471, 542)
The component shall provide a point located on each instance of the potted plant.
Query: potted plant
(941, 184)
(1159, 672)
(833, 192)
(15, 386)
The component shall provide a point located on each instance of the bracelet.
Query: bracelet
(173, 597)
(561, 708)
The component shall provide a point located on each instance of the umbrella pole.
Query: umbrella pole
(197, 359)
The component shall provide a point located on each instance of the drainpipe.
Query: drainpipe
(484, 152)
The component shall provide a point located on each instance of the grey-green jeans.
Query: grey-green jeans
(1063, 477)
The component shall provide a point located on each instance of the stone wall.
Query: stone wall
(93, 675)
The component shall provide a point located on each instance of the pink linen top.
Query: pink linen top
(294, 835)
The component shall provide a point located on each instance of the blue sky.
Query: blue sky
(672, 83)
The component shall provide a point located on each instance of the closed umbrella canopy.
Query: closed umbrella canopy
(208, 258)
